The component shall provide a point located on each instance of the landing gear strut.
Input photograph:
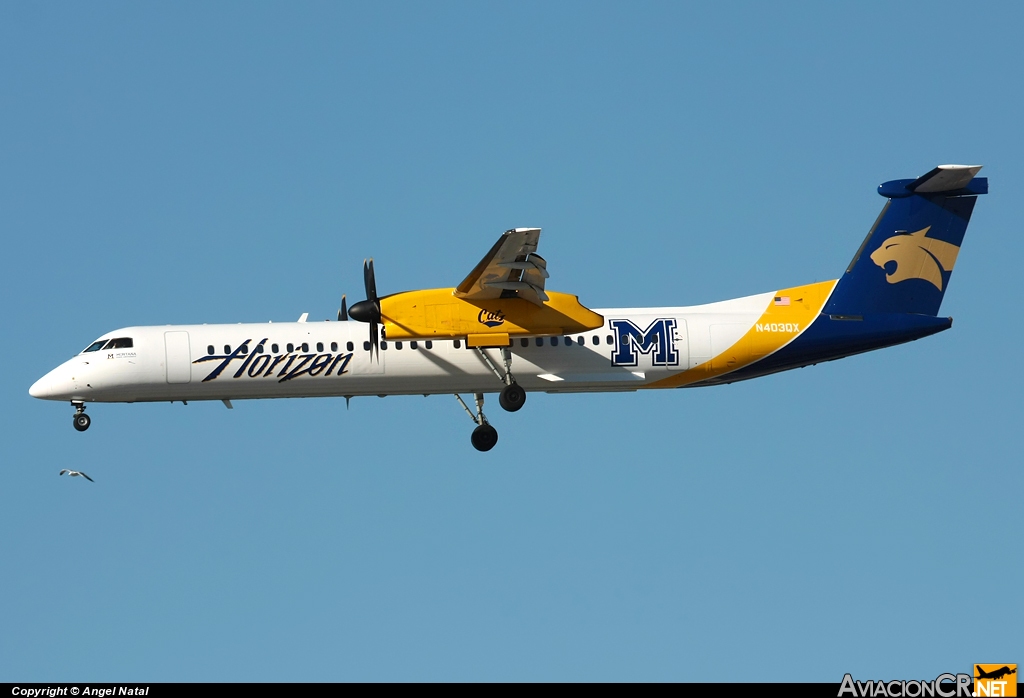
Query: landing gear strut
(81, 419)
(485, 436)
(512, 396)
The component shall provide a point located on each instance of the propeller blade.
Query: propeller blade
(343, 310)
(368, 311)
(369, 281)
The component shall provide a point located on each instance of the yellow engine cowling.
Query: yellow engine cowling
(438, 314)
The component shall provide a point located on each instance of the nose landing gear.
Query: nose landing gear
(485, 436)
(81, 420)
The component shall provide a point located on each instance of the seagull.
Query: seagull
(75, 473)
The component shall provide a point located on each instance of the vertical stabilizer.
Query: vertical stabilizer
(905, 262)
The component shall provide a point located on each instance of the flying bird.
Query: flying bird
(75, 473)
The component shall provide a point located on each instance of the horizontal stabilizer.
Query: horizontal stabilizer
(944, 178)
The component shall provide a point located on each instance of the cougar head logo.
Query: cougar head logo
(917, 257)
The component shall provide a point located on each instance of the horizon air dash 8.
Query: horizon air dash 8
(501, 331)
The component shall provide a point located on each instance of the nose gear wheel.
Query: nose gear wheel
(81, 420)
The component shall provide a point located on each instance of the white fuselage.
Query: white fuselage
(181, 362)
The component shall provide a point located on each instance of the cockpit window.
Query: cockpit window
(95, 346)
(119, 343)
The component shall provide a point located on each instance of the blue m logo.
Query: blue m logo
(658, 338)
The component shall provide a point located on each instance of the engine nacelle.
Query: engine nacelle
(439, 314)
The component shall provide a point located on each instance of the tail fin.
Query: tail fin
(904, 264)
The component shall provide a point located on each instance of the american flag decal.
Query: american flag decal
(781, 300)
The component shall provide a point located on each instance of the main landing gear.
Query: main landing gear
(511, 399)
(512, 396)
(485, 436)
(81, 419)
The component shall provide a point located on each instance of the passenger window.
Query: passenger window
(319, 346)
(334, 346)
(384, 345)
(305, 347)
(398, 345)
(95, 346)
(349, 346)
(291, 347)
(227, 348)
(366, 346)
(595, 340)
(554, 341)
(609, 340)
(245, 349)
(273, 348)
(540, 341)
(428, 344)
(210, 350)
(524, 342)
(413, 345)
(457, 344)
(259, 349)
(579, 340)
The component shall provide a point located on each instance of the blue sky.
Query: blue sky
(236, 162)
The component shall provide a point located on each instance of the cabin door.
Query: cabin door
(178, 357)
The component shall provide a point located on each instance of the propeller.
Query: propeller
(369, 310)
(343, 310)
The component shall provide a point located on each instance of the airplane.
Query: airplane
(996, 674)
(502, 331)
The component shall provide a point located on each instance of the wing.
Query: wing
(86, 477)
(64, 471)
(512, 268)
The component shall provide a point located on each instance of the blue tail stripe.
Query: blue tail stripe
(828, 338)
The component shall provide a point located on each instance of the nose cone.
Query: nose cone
(53, 386)
(41, 388)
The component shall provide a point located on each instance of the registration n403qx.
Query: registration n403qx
(502, 331)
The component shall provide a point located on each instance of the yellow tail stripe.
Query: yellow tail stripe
(787, 316)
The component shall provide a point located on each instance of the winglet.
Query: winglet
(302, 318)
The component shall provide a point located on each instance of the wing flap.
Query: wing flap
(525, 290)
(511, 267)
